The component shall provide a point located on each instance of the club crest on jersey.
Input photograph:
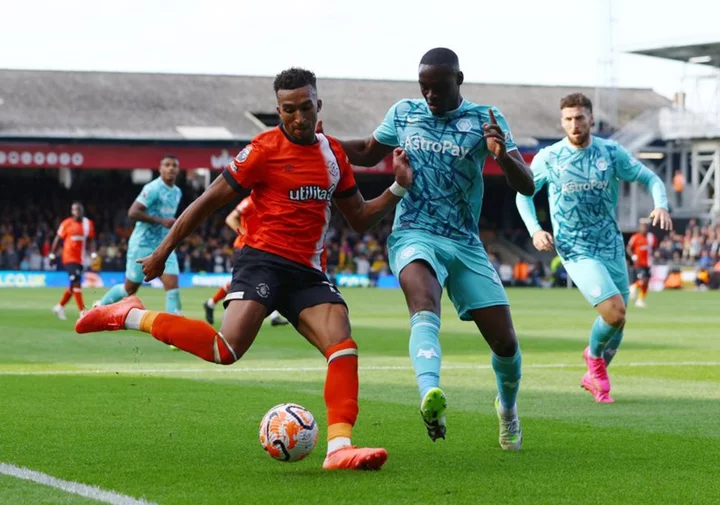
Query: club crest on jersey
(243, 155)
(333, 168)
(305, 193)
(601, 165)
(464, 125)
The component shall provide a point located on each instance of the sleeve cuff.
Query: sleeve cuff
(347, 193)
(533, 230)
(231, 180)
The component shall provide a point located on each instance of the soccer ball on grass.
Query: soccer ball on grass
(288, 432)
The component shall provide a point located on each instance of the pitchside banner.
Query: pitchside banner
(129, 157)
(22, 279)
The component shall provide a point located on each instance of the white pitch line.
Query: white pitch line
(224, 370)
(92, 492)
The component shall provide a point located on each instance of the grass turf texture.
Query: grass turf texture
(123, 412)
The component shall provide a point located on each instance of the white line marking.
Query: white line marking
(225, 370)
(92, 492)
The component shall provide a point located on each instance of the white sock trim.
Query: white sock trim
(132, 321)
(338, 443)
(211, 303)
(341, 353)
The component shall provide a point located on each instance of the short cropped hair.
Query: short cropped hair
(441, 56)
(576, 100)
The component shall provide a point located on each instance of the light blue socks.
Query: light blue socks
(114, 294)
(425, 352)
(172, 301)
(600, 335)
(508, 371)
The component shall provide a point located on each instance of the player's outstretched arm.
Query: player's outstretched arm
(363, 215)
(660, 215)
(138, 212)
(364, 152)
(630, 169)
(542, 240)
(219, 193)
(518, 174)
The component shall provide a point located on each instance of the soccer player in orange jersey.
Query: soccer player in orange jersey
(76, 233)
(295, 176)
(237, 221)
(639, 248)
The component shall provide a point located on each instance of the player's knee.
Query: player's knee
(505, 346)
(227, 349)
(422, 301)
(616, 316)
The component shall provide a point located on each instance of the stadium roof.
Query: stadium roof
(109, 105)
(703, 54)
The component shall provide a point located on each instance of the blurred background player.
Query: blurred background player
(272, 271)
(583, 173)
(76, 233)
(154, 214)
(435, 241)
(640, 248)
(237, 221)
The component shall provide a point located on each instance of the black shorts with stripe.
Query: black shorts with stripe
(75, 271)
(279, 284)
(642, 273)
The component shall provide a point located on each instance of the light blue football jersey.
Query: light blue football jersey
(583, 186)
(161, 201)
(447, 154)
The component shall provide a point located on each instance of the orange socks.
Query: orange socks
(341, 389)
(221, 293)
(190, 335)
(79, 298)
(643, 291)
(66, 297)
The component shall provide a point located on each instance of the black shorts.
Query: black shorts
(279, 284)
(236, 256)
(75, 271)
(642, 273)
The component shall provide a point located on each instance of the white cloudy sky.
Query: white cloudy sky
(514, 41)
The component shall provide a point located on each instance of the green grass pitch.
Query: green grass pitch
(123, 412)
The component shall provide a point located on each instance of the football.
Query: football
(288, 432)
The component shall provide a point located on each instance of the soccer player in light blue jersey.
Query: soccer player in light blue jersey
(583, 174)
(435, 241)
(154, 213)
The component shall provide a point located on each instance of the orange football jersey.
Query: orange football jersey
(293, 186)
(75, 235)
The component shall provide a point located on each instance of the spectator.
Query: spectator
(362, 265)
(521, 273)
(35, 259)
(704, 262)
(678, 187)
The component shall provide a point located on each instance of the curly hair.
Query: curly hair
(294, 78)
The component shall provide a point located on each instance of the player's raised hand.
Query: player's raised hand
(494, 136)
(402, 168)
(543, 241)
(153, 266)
(319, 127)
(661, 217)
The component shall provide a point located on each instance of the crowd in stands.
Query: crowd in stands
(28, 228)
